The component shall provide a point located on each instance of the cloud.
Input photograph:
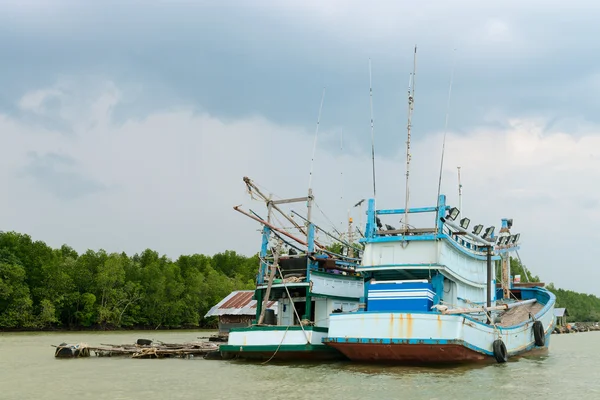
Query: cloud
(59, 175)
(169, 180)
(235, 60)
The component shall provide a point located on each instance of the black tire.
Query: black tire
(144, 342)
(500, 353)
(538, 334)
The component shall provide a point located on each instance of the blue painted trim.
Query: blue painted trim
(465, 251)
(410, 210)
(398, 238)
(263, 253)
(438, 287)
(371, 227)
(442, 207)
(508, 250)
(428, 237)
(400, 266)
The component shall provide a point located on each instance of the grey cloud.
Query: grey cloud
(59, 175)
(238, 59)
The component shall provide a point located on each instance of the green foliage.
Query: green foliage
(41, 287)
(580, 306)
(516, 268)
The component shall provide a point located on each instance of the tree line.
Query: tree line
(581, 307)
(42, 287)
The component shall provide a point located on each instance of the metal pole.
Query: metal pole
(489, 276)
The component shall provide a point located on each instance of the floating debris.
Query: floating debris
(143, 348)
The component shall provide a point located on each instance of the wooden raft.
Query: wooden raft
(147, 349)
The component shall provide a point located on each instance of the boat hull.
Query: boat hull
(281, 353)
(279, 343)
(447, 352)
(415, 338)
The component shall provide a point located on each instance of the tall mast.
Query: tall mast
(411, 99)
(372, 129)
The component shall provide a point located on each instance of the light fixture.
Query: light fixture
(453, 213)
(509, 223)
(488, 232)
(464, 223)
(501, 240)
(477, 229)
(516, 238)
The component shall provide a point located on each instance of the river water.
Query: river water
(28, 370)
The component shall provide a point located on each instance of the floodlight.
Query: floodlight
(516, 238)
(477, 229)
(501, 240)
(509, 223)
(453, 213)
(464, 223)
(488, 232)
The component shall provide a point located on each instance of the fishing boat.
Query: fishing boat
(308, 282)
(430, 292)
(431, 295)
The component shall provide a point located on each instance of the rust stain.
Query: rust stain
(391, 325)
(409, 326)
(439, 325)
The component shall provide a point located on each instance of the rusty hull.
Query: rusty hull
(409, 353)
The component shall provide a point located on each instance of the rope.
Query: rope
(293, 305)
(278, 347)
(292, 302)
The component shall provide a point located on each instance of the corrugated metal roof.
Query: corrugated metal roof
(238, 302)
(560, 312)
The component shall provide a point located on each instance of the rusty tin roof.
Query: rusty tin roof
(238, 302)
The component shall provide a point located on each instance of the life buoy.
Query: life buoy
(538, 334)
(500, 353)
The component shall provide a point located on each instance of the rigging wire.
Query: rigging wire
(437, 215)
(312, 161)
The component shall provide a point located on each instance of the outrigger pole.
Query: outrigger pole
(271, 226)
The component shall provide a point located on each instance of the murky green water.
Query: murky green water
(28, 370)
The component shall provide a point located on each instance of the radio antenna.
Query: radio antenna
(444, 141)
(372, 129)
(411, 100)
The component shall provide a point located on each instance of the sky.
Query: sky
(127, 125)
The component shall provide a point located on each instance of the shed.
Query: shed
(561, 315)
(238, 309)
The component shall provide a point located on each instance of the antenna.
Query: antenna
(459, 193)
(372, 131)
(312, 161)
(342, 170)
(437, 216)
(411, 99)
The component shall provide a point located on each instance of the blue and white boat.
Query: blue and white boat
(431, 296)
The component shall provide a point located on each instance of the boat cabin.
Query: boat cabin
(422, 269)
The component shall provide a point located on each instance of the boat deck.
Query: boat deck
(518, 315)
